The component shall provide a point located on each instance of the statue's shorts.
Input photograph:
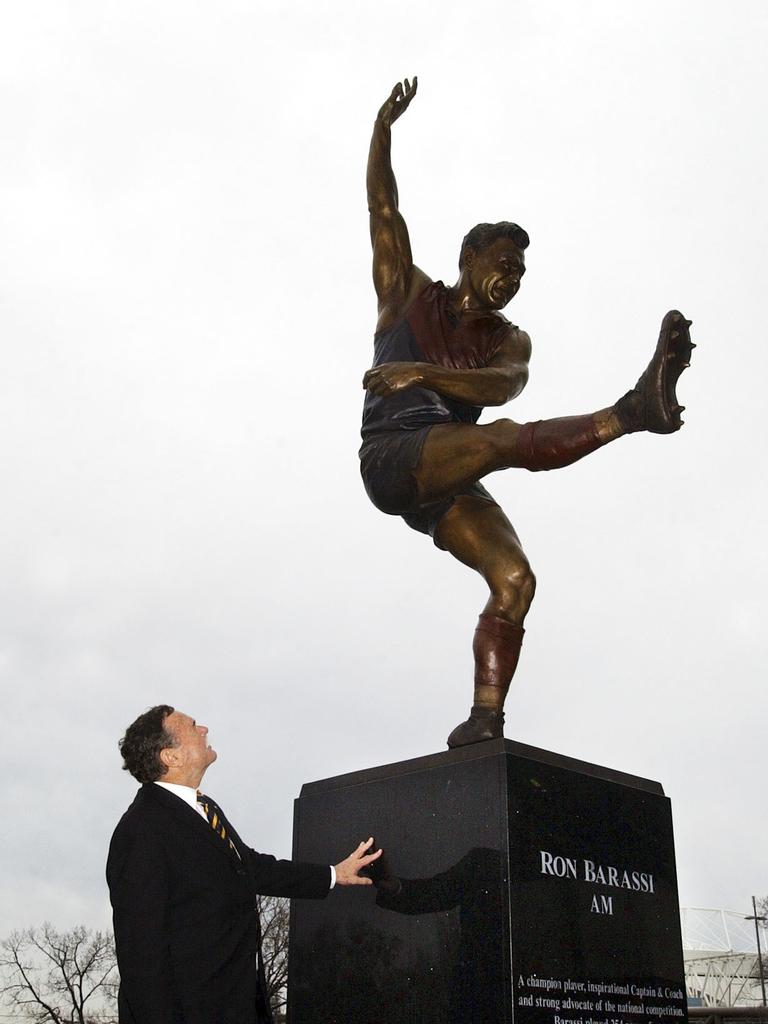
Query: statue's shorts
(388, 463)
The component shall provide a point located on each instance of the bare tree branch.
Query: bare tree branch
(274, 914)
(51, 975)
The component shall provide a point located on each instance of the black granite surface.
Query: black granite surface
(513, 904)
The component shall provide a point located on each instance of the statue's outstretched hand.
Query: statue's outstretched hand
(398, 101)
(348, 870)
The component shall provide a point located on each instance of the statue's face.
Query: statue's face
(496, 272)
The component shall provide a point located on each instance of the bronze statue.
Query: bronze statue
(441, 355)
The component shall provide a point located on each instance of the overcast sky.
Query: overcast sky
(187, 312)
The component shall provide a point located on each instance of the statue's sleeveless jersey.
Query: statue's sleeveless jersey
(395, 426)
(430, 333)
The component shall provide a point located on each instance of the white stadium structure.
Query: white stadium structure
(721, 962)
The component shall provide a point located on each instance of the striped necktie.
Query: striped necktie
(213, 814)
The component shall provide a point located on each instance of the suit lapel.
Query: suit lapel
(187, 817)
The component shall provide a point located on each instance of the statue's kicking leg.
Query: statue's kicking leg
(457, 454)
(479, 534)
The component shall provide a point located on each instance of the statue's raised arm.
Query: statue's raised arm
(393, 269)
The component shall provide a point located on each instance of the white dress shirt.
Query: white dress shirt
(185, 793)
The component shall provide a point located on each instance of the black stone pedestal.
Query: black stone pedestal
(533, 888)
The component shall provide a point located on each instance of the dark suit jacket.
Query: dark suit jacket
(186, 927)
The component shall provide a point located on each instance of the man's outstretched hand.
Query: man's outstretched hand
(348, 871)
(398, 101)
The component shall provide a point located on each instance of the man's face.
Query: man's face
(496, 272)
(192, 753)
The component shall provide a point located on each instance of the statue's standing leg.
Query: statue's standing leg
(478, 533)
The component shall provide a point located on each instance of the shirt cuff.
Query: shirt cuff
(333, 876)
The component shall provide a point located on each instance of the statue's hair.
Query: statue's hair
(143, 741)
(483, 235)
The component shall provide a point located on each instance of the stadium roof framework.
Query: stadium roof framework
(720, 953)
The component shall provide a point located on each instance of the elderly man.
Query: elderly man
(441, 355)
(183, 886)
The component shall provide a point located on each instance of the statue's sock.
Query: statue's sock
(552, 444)
(497, 649)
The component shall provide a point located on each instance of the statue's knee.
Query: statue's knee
(514, 586)
(525, 583)
(499, 434)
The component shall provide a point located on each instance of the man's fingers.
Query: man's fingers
(360, 851)
(365, 861)
(347, 871)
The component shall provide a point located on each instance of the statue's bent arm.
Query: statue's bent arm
(502, 380)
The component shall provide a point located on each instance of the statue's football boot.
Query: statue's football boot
(652, 404)
(482, 724)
